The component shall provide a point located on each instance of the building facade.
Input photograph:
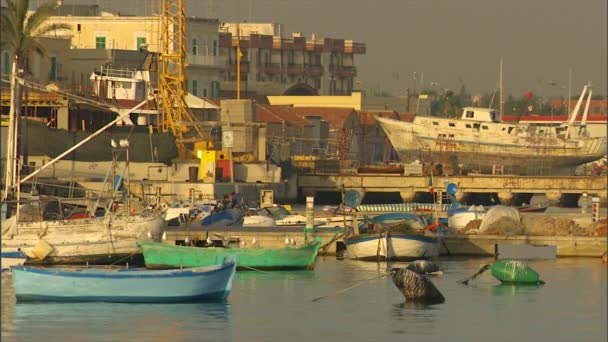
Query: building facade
(274, 65)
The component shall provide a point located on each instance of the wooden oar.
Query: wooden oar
(350, 287)
(481, 270)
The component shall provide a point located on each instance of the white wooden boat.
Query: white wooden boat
(46, 235)
(480, 141)
(393, 244)
(96, 240)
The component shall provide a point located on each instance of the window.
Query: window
(435, 123)
(205, 92)
(215, 89)
(484, 127)
(215, 47)
(194, 47)
(53, 71)
(451, 124)
(195, 87)
(467, 126)
(7, 61)
(476, 126)
(469, 114)
(100, 42)
(141, 41)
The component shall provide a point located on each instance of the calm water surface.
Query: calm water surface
(277, 306)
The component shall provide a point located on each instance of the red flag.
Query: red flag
(528, 95)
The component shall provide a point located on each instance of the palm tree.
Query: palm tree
(19, 29)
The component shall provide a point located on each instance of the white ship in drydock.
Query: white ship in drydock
(480, 141)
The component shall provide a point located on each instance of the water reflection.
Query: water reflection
(514, 289)
(121, 322)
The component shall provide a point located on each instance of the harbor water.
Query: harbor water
(360, 305)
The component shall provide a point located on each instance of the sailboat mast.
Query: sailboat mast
(502, 102)
(11, 151)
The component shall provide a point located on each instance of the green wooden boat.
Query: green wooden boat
(514, 272)
(161, 255)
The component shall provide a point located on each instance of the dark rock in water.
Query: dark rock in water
(416, 287)
(422, 267)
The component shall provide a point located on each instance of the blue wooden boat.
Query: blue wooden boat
(197, 284)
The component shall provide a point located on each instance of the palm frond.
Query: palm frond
(40, 31)
(41, 15)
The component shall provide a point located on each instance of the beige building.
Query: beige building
(93, 28)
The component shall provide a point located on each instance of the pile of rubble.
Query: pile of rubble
(545, 226)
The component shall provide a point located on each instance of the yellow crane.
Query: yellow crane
(175, 116)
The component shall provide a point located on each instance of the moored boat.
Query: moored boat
(124, 285)
(93, 240)
(405, 239)
(161, 255)
(480, 141)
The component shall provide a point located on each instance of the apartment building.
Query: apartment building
(274, 65)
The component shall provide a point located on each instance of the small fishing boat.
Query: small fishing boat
(404, 239)
(124, 285)
(161, 255)
(514, 272)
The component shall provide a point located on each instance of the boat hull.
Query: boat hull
(397, 247)
(482, 150)
(460, 219)
(161, 255)
(88, 240)
(123, 286)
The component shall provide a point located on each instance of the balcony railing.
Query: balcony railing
(295, 69)
(201, 60)
(271, 68)
(314, 70)
(343, 71)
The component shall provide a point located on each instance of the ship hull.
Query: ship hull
(505, 147)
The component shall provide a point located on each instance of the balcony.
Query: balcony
(208, 61)
(314, 70)
(270, 68)
(295, 69)
(343, 71)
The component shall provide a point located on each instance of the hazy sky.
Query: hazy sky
(445, 42)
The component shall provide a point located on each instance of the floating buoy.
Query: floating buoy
(416, 287)
(253, 241)
(149, 235)
(164, 236)
(286, 240)
(209, 242)
(423, 267)
(187, 241)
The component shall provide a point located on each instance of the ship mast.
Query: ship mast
(502, 102)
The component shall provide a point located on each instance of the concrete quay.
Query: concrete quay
(507, 187)
(332, 240)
